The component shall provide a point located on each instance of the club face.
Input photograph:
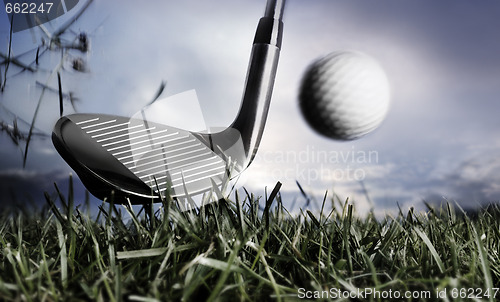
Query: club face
(142, 160)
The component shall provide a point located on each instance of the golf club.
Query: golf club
(142, 160)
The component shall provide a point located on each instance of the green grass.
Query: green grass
(230, 251)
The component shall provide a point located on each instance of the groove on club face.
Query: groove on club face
(163, 157)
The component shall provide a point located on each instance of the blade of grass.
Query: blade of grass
(9, 52)
(222, 279)
(431, 248)
(60, 94)
(62, 255)
(37, 109)
(163, 84)
(269, 203)
(239, 207)
(144, 253)
(485, 265)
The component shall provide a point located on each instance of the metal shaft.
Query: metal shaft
(274, 9)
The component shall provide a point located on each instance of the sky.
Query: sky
(439, 142)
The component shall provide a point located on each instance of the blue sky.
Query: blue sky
(440, 140)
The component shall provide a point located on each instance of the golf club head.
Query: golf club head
(142, 161)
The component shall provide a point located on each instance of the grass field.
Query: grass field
(231, 251)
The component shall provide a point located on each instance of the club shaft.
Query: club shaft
(274, 9)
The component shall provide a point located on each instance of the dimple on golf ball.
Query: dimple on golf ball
(344, 95)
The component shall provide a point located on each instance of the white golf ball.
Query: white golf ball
(344, 95)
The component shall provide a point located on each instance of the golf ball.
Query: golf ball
(344, 95)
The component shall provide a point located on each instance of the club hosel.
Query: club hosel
(238, 144)
(269, 31)
(261, 74)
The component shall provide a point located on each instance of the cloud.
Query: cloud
(475, 181)
(19, 186)
(471, 183)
